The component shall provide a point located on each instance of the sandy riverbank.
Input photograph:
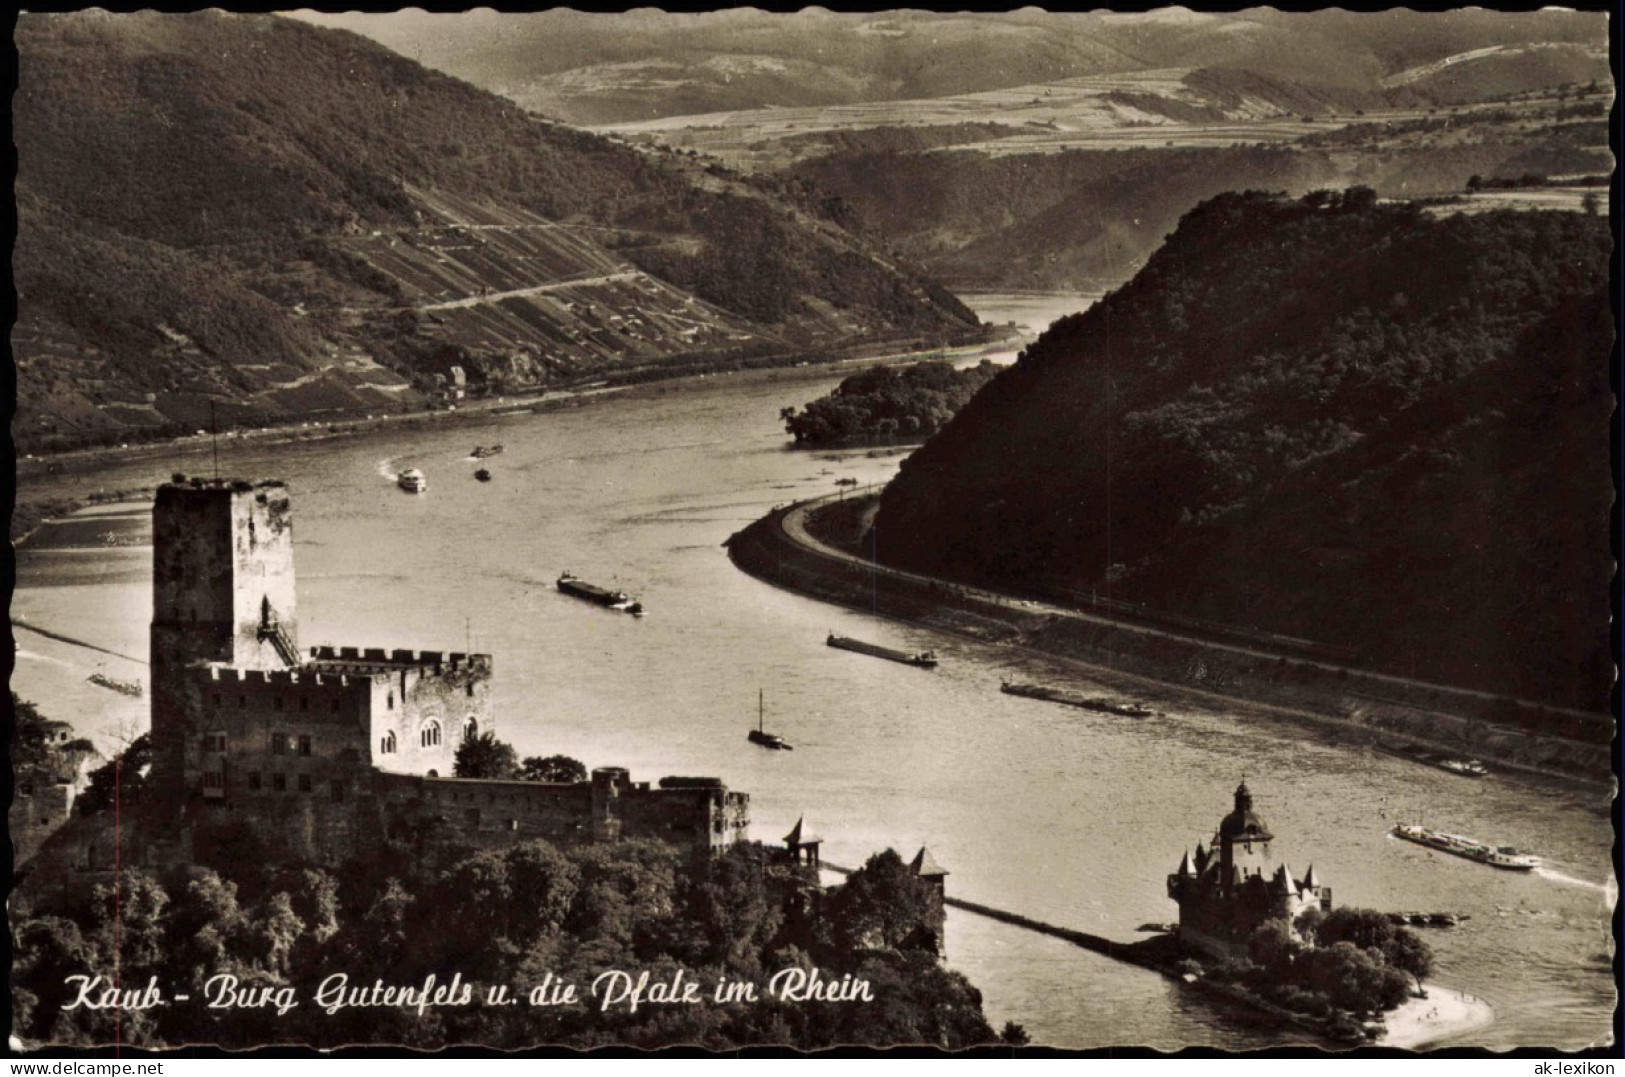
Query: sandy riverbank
(1444, 1014)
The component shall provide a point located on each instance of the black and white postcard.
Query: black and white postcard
(807, 530)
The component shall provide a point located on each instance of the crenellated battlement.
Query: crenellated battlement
(285, 677)
(364, 658)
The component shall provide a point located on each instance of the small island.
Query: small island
(888, 404)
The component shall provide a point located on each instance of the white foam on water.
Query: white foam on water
(1569, 880)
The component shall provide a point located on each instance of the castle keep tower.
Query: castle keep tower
(223, 592)
(1227, 891)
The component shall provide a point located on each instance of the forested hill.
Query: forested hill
(252, 210)
(1329, 418)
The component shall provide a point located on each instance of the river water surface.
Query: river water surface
(1063, 815)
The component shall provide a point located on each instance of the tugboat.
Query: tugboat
(922, 659)
(761, 736)
(483, 475)
(615, 600)
(1503, 856)
(1088, 703)
(412, 481)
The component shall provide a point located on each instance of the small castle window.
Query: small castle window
(276, 703)
(242, 703)
(513, 824)
(338, 792)
(279, 744)
(213, 780)
(279, 782)
(254, 779)
(469, 688)
(430, 737)
(304, 783)
(214, 742)
(304, 744)
(390, 701)
(471, 728)
(386, 746)
(304, 704)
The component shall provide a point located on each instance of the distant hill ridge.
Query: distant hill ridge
(1327, 418)
(284, 220)
(646, 64)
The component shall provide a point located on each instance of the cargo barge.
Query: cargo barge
(1502, 856)
(600, 596)
(128, 688)
(922, 659)
(1088, 703)
(1466, 768)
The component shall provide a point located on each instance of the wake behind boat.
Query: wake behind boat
(1088, 703)
(601, 596)
(922, 659)
(1504, 856)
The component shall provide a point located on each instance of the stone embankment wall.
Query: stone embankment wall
(1378, 710)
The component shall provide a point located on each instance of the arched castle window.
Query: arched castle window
(471, 728)
(387, 745)
(430, 737)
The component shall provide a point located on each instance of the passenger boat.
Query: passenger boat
(483, 475)
(1466, 768)
(482, 451)
(1088, 703)
(761, 736)
(615, 600)
(923, 659)
(412, 481)
(1502, 856)
(128, 688)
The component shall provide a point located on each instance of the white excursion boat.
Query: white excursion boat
(1503, 856)
(412, 481)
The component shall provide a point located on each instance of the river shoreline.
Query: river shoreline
(50, 485)
(780, 550)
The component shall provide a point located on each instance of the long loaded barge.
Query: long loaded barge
(922, 659)
(1466, 768)
(1504, 856)
(1088, 703)
(601, 596)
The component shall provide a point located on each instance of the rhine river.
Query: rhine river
(1063, 815)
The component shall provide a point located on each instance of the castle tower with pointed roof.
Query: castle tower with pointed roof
(1226, 892)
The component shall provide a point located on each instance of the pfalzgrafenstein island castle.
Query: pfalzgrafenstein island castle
(1232, 888)
(322, 754)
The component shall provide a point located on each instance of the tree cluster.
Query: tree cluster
(501, 917)
(1354, 960)
(888, 403)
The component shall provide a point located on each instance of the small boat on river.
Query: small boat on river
(483, 475)
(1088, 703)
(761, 736)
(922, 659)
(1466, 768)
(601, 596)
(1496, 856)
(412, 481)
(482, 451)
